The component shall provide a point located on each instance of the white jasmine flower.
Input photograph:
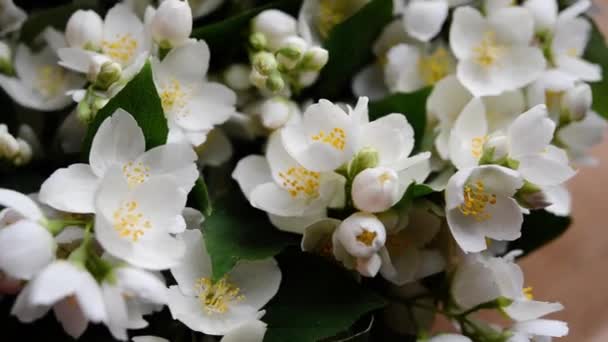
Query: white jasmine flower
(423, 19)
(136, 225)
(119, 142)
(84, 30)
(279, 185)
(479, 204)
(11, 17)
(480, 279)
(217, 308)
(357, 241)
(126, 295)
(71, 291)
(577, 101)
(579, 136)
(172, 23)
(317, 18)
(495, 54)
(253, 331)
(276, 112)
(192, 105)
(26, 246)
(537, 330)
(406, 257)
(40, 83)
(275, 25)
(410, 67)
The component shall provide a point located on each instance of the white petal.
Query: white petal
(470, 125)
(117, 141)
(498, 180)
(195, 264)
(570, 37)
(391, 136)
(473, 284)
(401, 71)
(544, 13)
(509, 34)
(25, 249)
(71, 189)
(143, 284)
(21, 204)
(188, 62)
(253, 331)
(505, 221)
(544, 171)
(117, 311)
(468, 235)
(277, 201)
(520, 66)
(216, 150)
(560, 199)
(423, 19)
(26, 96)
(90, 299)
(370, 82)
(71, 318)
(524, 310)
(176, 161)
(542, 327)
(466, 32)
(579, 68)
(24, 310)
(250, 172)
(531, 132)
(479, 80)
(447, 100)
(57, 281)
(296, 224)
(259, 280)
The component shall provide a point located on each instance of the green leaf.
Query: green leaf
(199, 196)
(350, 46)
(140, 99)
(539, 228)
(317, 299)
(236, 231)
(412, 105)
(597, 52)
(226, 34)
(56, 17)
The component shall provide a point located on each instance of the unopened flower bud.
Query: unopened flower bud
(291, 51)
(172, 23)
(257, 40)
(275, 112)
(577, 101)
(361, 234)
(6, 66)
(366, 158)
(275, 82)
(307, 78)
(9, 146)
(532, 197)
(315, 58)
(275, 25)
(84, 112)
(109, 73)
(264, 63)
(84, 30)
(237, 76)
(495, 149)
(24, 155)
(376, 190)
(257, 79)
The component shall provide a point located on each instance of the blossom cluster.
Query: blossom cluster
(508, 115)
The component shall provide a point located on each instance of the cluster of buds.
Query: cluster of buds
(14, 150)
(281, 60)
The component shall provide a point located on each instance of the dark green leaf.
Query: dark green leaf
(236, 231)
(140, 99)
(317, 299)
(597, 52)
(540, 227)
(56, 17)
(412, 105)
(200, 197)
(350, 46)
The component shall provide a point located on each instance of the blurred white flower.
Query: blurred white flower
(172, 23)
(11, 17)
(84, 30)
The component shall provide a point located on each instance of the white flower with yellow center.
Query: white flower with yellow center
(280, 186)
(448, 99)
(137, 225)
(40, 84)
(26, 246)
(192, 105)
(68, 289)
(119, 142)
(217, 308)
(409, 67)
(494, 53)
(482, 278)
(480, 204)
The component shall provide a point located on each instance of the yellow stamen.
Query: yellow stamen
(331, 13)
(217, 297)
(121, 49)
(129, 222)
(367, 237)
(174, 97)
(51, 80)
(528, 292)
(301, 181)
(335, 138)
(135, 174)
(477, 146)
(488, 50)
(476, 200)
(434, 67)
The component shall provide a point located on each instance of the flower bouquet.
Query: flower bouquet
(297, 171)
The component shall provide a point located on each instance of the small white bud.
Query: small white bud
(237, 76)
(307, 78)
(264, 63)
(275, 112)
(109, 73)
(275, 82)
(172, 23)
(375, 190)
(577, 101)
(9, 146)
(361, 234)
(291, 51)
(499, 147)
(95, 63)
(84, 30)
(257, 79)
(25, 153)
(275, 25)
(315, 58)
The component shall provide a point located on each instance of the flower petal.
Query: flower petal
(21, 203)
(423, 19)
(530, 133)
(25, 249)
(71, 189)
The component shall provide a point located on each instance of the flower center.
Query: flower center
(135, 173)
(488, 50)
(174, 97)
(367, 237)
(528, 292)
(298, 180)
(477, 146)
(331, 13)
(50, 80)
(121, 49)
(216, 297)
(476, 200)
(335, 138)
(434, 67)
(129, 222)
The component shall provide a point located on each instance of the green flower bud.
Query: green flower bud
(275, 82)
(258, 41)
(109, 73)
(366, 158)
